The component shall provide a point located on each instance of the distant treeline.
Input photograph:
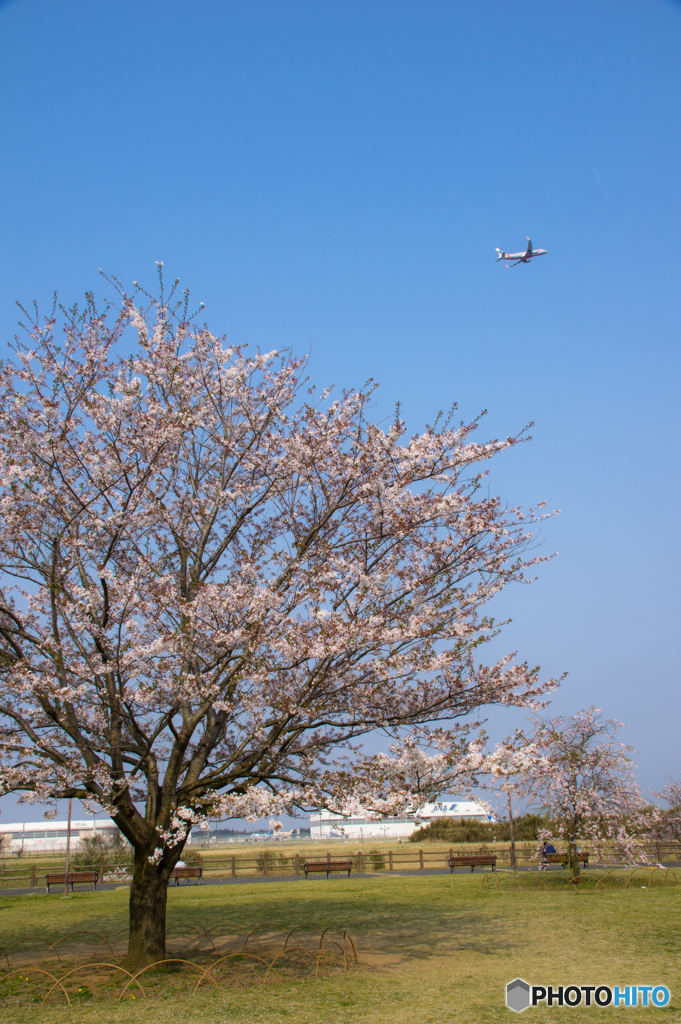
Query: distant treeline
(450, 830)
(230, 833)
(221, 833)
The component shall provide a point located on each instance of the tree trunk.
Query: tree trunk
(575, 865)
(514, 859)
(148, 898)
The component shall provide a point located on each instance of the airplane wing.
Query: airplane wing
(509, 265)
(529, 245)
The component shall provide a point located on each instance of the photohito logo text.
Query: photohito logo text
(520, 995)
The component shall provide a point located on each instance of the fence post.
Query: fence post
(297, 863)
(659, 855)
(359, 861)
(201, 862)
(421, 859)
(33, 876)
(450, 855)
(233, 867)
(328, 858)
(390, 860)
(264, 863)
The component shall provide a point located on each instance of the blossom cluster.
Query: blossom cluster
(213, 582)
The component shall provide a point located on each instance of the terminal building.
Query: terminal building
(50, 836)
(326, 825)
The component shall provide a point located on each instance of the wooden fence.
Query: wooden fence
(420, 859)
(277, 863)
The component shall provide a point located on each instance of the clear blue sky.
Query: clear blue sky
(337, 175)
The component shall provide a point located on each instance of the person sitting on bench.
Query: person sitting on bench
(546, 849)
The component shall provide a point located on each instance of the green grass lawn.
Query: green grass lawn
(433, 949)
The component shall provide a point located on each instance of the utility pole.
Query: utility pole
(68, 855)
(514, 862)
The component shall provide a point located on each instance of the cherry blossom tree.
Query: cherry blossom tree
(665, 823)
(507, 770)
(583, 779)
(215, 581)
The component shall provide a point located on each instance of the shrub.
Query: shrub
(98, 849)
(113, 849)
(449, 830)
(377, 860)
(274, 860)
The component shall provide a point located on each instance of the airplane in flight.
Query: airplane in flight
(521, 257)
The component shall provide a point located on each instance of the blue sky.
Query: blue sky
(337, 176)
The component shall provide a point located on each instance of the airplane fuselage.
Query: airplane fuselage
(520, 257)
(523, 255)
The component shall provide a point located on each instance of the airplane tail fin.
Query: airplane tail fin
(501, 255)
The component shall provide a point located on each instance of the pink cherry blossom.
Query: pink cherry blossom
(215, 581)
(582, 777)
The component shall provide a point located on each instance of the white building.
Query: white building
(326, 825)
(451, 807)
(50, 836)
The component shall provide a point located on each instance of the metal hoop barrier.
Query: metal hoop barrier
(631, 879)
(333, 947)
(297, 949)
(31, 938)
(70, 935)
(262, 927)
(169, 960)
(38, 970)
(87, 967)
(231, 956)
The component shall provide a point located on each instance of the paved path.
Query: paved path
(248, 880)
(257, 879)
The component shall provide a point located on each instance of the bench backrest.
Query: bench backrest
(194, 872)
(325, 865)
(74, 876)
(478, 858)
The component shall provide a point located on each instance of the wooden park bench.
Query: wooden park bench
(189, 872)
(328, 866)
(564, 859)
(484, 860)
(74, 877)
